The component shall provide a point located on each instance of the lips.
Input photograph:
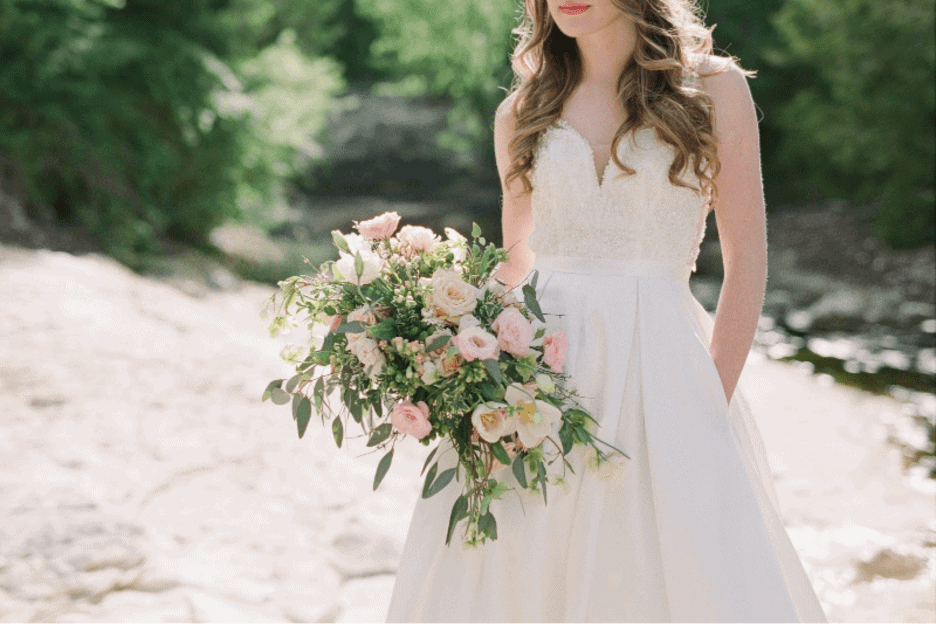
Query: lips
(573, 8)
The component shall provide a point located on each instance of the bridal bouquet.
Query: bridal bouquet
(412, 335)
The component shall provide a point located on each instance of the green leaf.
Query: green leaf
(429, 477)
(540, 332)
(340, 241)
(303, 414)
(384, 330)
(276, 383)
(529, 298)
(318, 393)
(459, 511)
(429, 459)
(377, 404)
(338, 430)
(534, 279)
(565, 435)
(356, 407)
(541, 475)
(354, 327)
(475, 230)
(487, 525)
(489, 391)
(280, 396)
(444, 477)
(293, 382)
(500, 453)
(493, 369)
(295, 404)
(438, 343)
(382, 468)
(380, 434)
(519, 471)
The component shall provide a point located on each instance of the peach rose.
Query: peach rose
(555, 350)
(448, 366)
(514, 332)
(416, 239)
(411, 419)
(476, 344)
(380, 227)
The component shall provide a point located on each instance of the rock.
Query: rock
(363, 553)
(137, 606)
(210, 608)
(887, 563)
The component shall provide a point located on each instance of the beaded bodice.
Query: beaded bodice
(635, 217)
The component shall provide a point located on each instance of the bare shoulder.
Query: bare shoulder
(727, 84)
(505, 116)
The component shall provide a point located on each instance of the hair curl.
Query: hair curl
(659, 86)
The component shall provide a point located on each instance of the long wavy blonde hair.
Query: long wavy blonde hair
(658, 87)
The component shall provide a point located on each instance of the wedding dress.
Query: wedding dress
(689, 528)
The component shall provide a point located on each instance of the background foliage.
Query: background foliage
(146, 119)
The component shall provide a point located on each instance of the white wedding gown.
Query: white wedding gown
(689, 529)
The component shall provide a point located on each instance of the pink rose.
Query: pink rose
(514, 332)
(476, 344)
(411, 419)
(555, 350)
(335, 322)
(416, 239)
(380, 227)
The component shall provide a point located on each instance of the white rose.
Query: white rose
(344, 268)
(366, 350)
(452, 297)
(415, 239)
(458, 244)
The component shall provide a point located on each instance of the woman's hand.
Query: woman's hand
(517, 212)
(742, 225)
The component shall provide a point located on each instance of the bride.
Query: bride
(621, 133)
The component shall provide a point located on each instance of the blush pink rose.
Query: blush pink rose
(416, 239)
(380, 227)
(514, 332)
(335, 322)
(555, 350)
(411, 419)
(476, 344)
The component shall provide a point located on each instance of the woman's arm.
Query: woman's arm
(742, 224)
(517, 212)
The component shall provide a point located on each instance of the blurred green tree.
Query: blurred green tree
(456, 50)
(136, 119)
(859, 120)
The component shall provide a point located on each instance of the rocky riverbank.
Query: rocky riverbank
(142, 479)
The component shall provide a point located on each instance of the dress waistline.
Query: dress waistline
(612, 266)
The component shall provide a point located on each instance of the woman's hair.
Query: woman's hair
(655, 87)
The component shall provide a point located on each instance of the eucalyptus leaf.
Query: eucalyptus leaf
(429, 459)
(493, 369)
(340, 241)
(541, 475)
(500, 453)
(565, 435)
(303, 414)
(295, 404)
(529, 298)
(534, 279)
(429, 477)
(382, 468)
(293, 382)
(318, 393)
(519, 471)
(276, 383)
(444, 477)
(353, 327)
(438, 343)
(280, 396)
(338, 430)
(459, 511)
(380, 434)
(488, 525)
(384, 330)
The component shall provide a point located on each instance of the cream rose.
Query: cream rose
(414, 239)
(452, 297)
(368, 352)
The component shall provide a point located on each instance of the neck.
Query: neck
(605, 52)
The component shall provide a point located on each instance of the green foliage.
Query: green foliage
(130, 117)
(861, 119)
(457, 50)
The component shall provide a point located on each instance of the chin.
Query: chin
(579, 21)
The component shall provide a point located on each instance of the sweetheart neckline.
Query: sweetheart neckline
(600, 182)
